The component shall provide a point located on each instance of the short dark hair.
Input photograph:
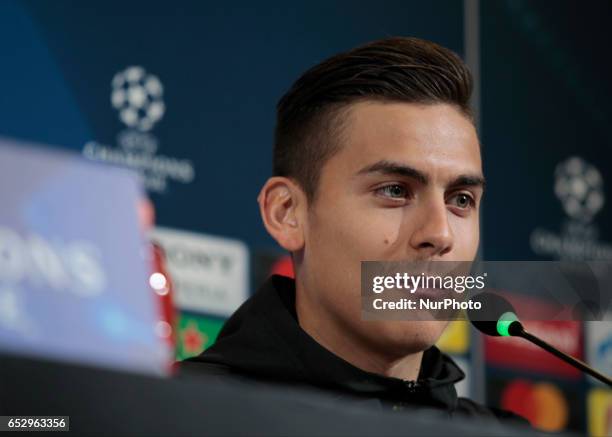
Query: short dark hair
(399, 69)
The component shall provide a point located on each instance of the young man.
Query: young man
(376, 157)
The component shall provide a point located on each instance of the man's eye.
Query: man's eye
(463, 201)
(394, 191)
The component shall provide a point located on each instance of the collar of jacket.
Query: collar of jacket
(263, 339)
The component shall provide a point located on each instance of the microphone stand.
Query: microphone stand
(516, 329)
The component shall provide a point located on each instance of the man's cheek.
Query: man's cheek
(385, 230)
(466, 241)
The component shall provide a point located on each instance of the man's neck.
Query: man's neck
(325, 331)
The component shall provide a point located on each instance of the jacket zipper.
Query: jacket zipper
(413, 386)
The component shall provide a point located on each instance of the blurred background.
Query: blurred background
(184, 92)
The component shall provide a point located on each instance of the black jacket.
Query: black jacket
(262, 340)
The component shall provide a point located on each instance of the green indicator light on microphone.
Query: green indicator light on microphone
(504, 322)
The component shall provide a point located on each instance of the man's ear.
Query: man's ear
(282, 205)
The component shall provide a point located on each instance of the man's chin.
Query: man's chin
(408, 337)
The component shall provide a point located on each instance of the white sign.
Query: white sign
(599, 345)
(463, 386)
(210, 273)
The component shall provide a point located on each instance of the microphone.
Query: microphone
(507, 324)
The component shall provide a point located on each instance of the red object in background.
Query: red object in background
(518, 353)
(514, 352)
(516, 398)
(161, 283)
(283, 266)
(193, 339)
(545, 405)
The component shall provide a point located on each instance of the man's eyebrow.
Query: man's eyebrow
(468, 181)
(395, 168)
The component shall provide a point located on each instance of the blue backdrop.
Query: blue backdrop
(187, 91)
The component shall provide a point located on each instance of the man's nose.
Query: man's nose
(433, 236)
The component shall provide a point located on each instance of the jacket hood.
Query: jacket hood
(263, 339)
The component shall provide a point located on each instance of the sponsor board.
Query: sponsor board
(463, 386)
(548, 406)
(599, 404)
(599, 346)
(517, 353)
(195, 333)
(455, 339)
(210, 273)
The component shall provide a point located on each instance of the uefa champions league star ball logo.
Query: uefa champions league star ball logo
(138, 96)
(579, 186)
